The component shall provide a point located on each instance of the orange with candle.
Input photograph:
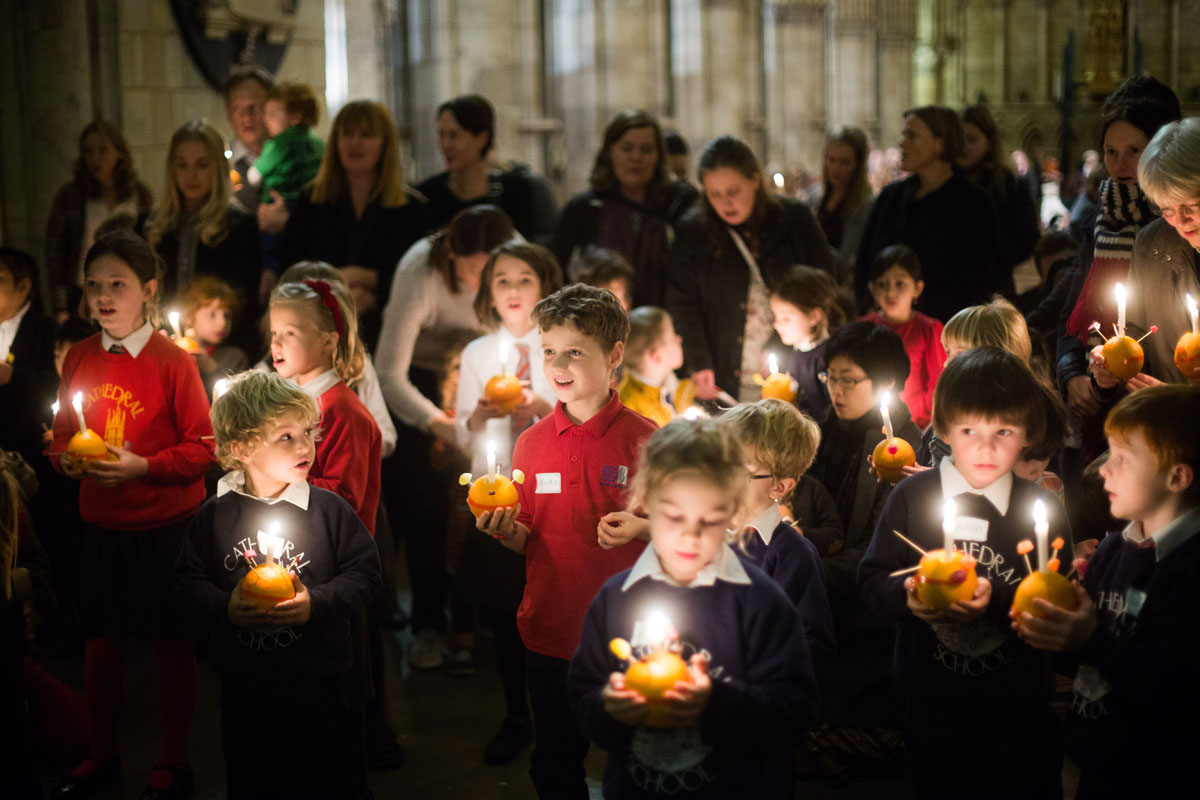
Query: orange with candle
(659, 670)
(892, 454)
(1123, 355)
(1045, 582)
(85, 446)
(269, 583)
(1187, 349)
(778, 385)
(504, 391)
(944, 577)
(187, 343)
(493, 491)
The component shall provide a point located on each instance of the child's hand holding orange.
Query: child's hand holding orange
(623, 704)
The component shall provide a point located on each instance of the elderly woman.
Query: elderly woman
(1166, 257)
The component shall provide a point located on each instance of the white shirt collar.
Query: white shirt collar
(239, 150)
(998, 492)
(296, 493)
(321, 384)
(8, 329)
(725, 566)
(766, 523)
(1178, 531)
(133, 343)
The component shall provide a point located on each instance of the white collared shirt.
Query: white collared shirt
(133, 343)
(998, 492)
(1172, 535)
(8, 330)
(321, 384)
(725, 566)
(766, 523)
(235, 481)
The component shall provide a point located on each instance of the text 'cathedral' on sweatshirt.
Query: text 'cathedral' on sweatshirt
(764, 695)
(327, 547)
(155, 406)
(981, 665)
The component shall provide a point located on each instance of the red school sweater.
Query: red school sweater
(922, 337)
(349, 452)
(156, 403)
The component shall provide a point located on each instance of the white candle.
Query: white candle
(77, 402)
(949, 523)
(1041, 529)
(54, 408)
(174, 317)
(773, 363)
(1191, 304)
(265, 548)
(658, 627)
(885, 399)
(491, 458)
(504, 357)
(1120, 292)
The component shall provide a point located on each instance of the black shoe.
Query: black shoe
(509, 742)
(383, 751)
(108, 774)
(181, 785)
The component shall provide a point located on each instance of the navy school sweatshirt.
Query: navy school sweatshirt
(764, 696)
(981, 665)
(329, 549)
(793, 563)
(1137, 679)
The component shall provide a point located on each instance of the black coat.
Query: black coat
(235, 259)
(954, 231)
(25, 400)
(643, 234)
(524, 196)
(707, 283)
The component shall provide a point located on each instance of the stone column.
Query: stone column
(897, 37)
(853, 69)
(796, 114)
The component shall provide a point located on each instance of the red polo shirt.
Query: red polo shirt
(574, 475)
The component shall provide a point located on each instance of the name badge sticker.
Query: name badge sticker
(971, 529)
(1134, 600)
(549, 483)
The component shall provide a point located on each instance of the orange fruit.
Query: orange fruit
(941, 583)
(1051, 587)
(504, 392)
(651, 678)
(779, 386)
(266, 585)
(86, 447)
(1123, 357)
(1187, 353)
(491, 492)
(890, 457)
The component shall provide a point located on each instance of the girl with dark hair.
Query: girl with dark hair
(105, 185)
(982, 161)
(466, 127)
(431, 305)
(843, 202)
(632, 205)
(949, 221)
(730, 254)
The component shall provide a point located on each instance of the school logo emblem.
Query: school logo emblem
(614, 476)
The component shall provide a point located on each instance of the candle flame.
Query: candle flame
(503, 355)
(885, 399)
(221, 387)
(773, 363)
(174, 317)
(1119, 291)
(693, 413)
(778, 178)
(1039, 513)
(949, 516)
(77, 401)
(54, 408)
(657, 627)
(1191, 304)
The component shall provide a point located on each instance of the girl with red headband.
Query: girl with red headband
(314, 342)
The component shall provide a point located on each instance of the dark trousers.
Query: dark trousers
(283, 736)
(974, 756)
(559, 748)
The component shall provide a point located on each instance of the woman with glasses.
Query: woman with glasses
(863, 359)
(1165, 267)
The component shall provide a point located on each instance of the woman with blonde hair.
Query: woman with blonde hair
(844, 199)
(357, 213)
(198, 228)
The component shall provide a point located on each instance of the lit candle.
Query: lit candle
(266, 546)
(885, 399)
(174, 318)
(1191, 304)
(54, 408)
(220, 387)
(949, 523)
(504, 357)
(657, 629)
(773, 363)
(491, 458)
(77, 402)
(1041, 529)
(694, 413)
(778, 178)
(1120, 292)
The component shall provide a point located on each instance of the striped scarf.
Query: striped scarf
(1124, 210)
